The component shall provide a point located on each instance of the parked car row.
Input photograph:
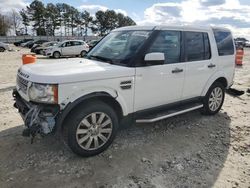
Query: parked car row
(53, 48)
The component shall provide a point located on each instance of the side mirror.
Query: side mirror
(154, 58)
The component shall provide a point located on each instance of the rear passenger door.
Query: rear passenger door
(199, 64)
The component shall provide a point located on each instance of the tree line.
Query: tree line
(45, 20)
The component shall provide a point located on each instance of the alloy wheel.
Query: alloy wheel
(94, 131)
(215, 99)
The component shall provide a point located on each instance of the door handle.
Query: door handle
(211, 65)
(177, 70)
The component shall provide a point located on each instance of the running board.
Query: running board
(168, 115)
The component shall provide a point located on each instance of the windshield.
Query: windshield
(119, 47)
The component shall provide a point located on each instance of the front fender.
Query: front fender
(68, 103)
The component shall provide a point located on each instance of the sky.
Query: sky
(233, 14)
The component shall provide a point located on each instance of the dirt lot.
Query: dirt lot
(186, 151)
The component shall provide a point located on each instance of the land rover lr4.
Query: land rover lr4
(134, 74)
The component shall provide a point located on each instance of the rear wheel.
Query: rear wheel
(214, 99)
(2, 49)
(91, 128)
(83, 53)
(56, 55)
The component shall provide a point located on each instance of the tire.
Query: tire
(83, 53)
(56, 55)
(83, 135)
(40, 52)
(214, 99)
(2, 49)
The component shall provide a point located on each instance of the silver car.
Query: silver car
(4, 46)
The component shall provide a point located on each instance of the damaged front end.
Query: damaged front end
(38, 118)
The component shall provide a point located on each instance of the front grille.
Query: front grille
(22, 84)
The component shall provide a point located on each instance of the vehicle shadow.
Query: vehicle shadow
(185, 151)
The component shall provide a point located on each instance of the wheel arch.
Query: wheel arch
(95, 96)
(216, 78)
(2, 48)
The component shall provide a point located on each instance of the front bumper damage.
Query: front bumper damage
(38, 118)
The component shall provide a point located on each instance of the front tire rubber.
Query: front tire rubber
(91, 128)
(2, 49)
(214, 99)
(56, 55)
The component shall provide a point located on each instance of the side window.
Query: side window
(67, 44)
(224, 42)
(197, 46)
(77, 43)
(194, 46)
(168, 42)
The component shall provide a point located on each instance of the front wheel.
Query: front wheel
(91, 128)
(214, 99)
(56, 55)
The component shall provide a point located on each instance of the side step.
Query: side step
(169, 113)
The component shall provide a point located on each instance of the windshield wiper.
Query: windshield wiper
(105, 59)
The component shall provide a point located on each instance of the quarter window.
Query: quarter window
(224, 42)
(168, 42)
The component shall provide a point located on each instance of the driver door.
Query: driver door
(157, 85)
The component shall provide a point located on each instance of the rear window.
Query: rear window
(224, 42)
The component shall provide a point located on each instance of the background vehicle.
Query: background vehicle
(247, 44)
(34, 43)
(4, 46)
(68, 48)
(27, 44)
(18, 43)
(39, 48)
(134, 74)
(92, 43)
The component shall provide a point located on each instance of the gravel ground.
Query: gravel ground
(190, 150)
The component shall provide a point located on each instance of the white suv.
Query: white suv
(134, 74)
(68, 48)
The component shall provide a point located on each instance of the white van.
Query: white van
(134, 74)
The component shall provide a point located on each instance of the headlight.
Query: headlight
(46, 93)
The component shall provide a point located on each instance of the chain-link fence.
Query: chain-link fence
(12, 39)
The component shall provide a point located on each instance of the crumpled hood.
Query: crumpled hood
(72, 70)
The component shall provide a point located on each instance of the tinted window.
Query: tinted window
(224, 42)
(168, 42)
(194, 46)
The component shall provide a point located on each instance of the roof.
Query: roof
(171, 27)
